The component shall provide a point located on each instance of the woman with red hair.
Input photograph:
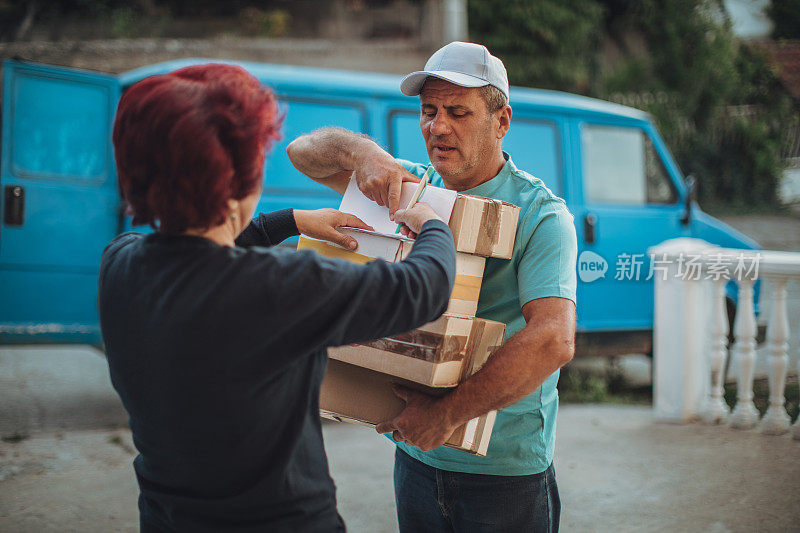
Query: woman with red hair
(215, 338)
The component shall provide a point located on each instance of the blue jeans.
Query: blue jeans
(433, 500)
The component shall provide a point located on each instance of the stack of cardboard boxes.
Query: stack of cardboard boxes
(437, 356)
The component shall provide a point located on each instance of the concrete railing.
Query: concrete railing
(690, 337)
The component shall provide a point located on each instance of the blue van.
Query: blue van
(60, 205)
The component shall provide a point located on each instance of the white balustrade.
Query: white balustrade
(717, 411)
(745, 414)
(676, 381)
(776, 421)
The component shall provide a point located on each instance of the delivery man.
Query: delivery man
(464, 115)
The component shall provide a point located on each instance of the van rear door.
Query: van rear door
(60, 205)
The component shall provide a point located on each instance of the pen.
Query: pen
(423, 184)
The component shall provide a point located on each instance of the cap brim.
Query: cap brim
(412, 84)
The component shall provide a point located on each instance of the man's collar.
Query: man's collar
(489, 187)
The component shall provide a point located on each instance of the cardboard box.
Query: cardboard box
(353, 394)
(484, 226)
(439, 354)
(391, 248)
(481, 226)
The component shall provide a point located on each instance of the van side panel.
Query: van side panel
(56, 152)
(284, 185)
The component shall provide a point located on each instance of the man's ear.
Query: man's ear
(503, 117)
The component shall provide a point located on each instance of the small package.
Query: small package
(439, 354)
(391, 248)
(484, 226)
(353, 394)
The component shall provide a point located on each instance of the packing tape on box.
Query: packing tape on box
(467, 288)
(333, 251)
(489, 227)
(472, 364)
(437, 348)
(431, 347)
(475, 334)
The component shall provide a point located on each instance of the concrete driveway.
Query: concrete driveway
(617, 469)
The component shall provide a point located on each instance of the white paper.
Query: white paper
(354, 232)
(374, 244)
(354, 202)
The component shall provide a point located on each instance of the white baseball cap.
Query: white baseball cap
(465, 64)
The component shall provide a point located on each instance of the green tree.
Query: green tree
(721, 109)
(725, 113)
(544, 43)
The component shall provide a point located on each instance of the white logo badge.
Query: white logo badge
(591, 266)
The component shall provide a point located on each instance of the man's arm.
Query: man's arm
(330, 156)
(518, 368)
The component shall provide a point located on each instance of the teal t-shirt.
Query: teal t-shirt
(543, 264)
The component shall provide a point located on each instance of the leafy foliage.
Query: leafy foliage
(550, 43)
(726, 113)
(715, 100)
(142, 18)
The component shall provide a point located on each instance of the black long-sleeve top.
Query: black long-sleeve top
(218, 354)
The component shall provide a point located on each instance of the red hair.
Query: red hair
(188, 141)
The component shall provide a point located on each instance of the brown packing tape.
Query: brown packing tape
(467, 287)
(439, 348)
(489, 229)
(478, 433)
(477, 355)
(332, 251)
(456, 221)
(440, 375)
(483, 226)
(417, 351)
(475, 334)
(422, 345)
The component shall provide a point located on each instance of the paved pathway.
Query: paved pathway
(617, 469)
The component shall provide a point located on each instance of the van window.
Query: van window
(304, 115)
(72, 143)
(405, 137)
(533, 145)
(621, 166)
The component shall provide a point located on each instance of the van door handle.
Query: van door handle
(589, 227)
(14, 208)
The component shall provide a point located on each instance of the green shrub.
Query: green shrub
(717, 102)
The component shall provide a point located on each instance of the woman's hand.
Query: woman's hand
(324, 224)
(413, 219)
